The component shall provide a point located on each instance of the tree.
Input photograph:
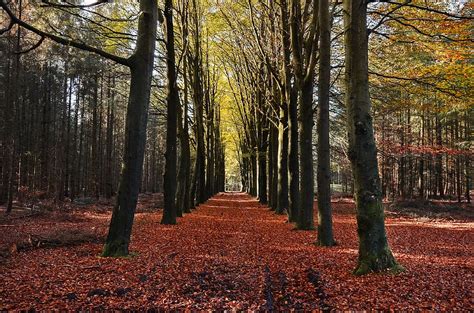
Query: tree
(141, 67)
(172, 100)
(325, 233)
(374, 252)
(184, 173)
(304, 47)
(290, 99)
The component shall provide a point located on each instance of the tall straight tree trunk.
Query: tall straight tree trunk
(186, 152)
(262, 166)
(325, 233)
(458, 163)
(141, 68)
(374, 252)
(274, 165)
(467, 157)
(209, 140)
(6, 107)
(184, 172)
(13, 128)
(95, 146)
(421, 166)
(63, 150)
(254, 172)
(192, 191)
(262, 176)
(291, 97)
(270, 167)
(67, 152)
(110, 139)
(200, 174)
(172, 101)
(262, 138)
(439, 157)
(303, 59)
(282, 197)
(219, 167)
(305, 218)
(293, 161)
(74, 156)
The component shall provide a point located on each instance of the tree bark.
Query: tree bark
(305, 219)
(172, 101)
(200, 174)
(325, 233)
(184, 172)
(110, 139)
(374, 252)
(439, 157)
(274, 168)
(141, 68)
(290, 96)
(282, 161)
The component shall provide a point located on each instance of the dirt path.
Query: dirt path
(233, 253)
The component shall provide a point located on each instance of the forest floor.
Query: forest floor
(230, 253)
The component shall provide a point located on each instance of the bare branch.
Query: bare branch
(36, 45)
(418, 81)
(408, 3)
(46, 3)
(62, 40)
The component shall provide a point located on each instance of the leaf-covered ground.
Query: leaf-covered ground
(233, 253)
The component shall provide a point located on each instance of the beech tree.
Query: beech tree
(141, 67)
(304, 48)
(232, 106)
(172, 101)
(374, 251)
(325, 233)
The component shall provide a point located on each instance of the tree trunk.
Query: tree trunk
(67, 152)
(293, 161)
(374, 252)
(141, 68)
(110, 139)
(14, 128)
(282, 197)
(439, 157)
(172, 101)
(270, 167)
(95, 145)
(200, 174)
(290, 96)
(63, 150)
(45, 157)
(184, 172)
(467, 156)
(325, 233)
(305, 219)
(6, 107)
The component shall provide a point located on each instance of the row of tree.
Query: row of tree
(423, 150)
(73, 122)
(68, 128)
(274, 92)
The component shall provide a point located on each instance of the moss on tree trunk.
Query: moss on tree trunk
(374, 252)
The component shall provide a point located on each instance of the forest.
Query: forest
(257, 155)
